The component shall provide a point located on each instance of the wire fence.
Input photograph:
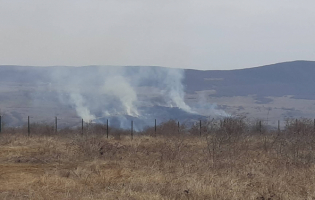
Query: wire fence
(228, 125)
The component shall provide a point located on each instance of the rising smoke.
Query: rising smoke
(99, 92)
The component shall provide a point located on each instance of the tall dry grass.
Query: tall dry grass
(229, 161)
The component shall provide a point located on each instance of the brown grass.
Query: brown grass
(222, 164)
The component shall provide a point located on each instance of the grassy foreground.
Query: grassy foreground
(214, 166)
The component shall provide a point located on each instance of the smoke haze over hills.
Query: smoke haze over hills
(96, 93)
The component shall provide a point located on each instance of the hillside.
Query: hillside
(289, 78)
(270, 92)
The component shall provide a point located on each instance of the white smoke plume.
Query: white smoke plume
(118, 87)
(175, 88)
(97, 92)
(203, 106)
(81, 108)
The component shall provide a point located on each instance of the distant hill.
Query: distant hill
(257, 92)
(295, 78)
(289, 78)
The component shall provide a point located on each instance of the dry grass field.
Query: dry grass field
(229, 161)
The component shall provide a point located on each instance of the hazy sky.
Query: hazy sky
(201, 34)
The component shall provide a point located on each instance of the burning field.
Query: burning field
(98, 93)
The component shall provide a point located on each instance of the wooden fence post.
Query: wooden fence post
(0, 123)
(82, 127)
(28, 126)
(279, 126)
(107, 129)
(56, 125)
(155, 127)
(200, 129)
(131, 130)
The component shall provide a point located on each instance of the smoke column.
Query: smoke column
(97, 92)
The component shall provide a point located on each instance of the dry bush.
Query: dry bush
(233, 126)
(96, 129)
(300, 126)
(41, 129)
(258, 126)
(170, 128)
(198, 129)
(148, 131)
(229, 126)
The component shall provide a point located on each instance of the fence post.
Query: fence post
(0, 123)
(155, 127)
(279, 126)
(178, 126)
(56, 125)
(28, 126)
(107, 129)
(131, 130)
(200, 129)
(260, 126)
(82, 126)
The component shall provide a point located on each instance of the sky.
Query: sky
(196, 34)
